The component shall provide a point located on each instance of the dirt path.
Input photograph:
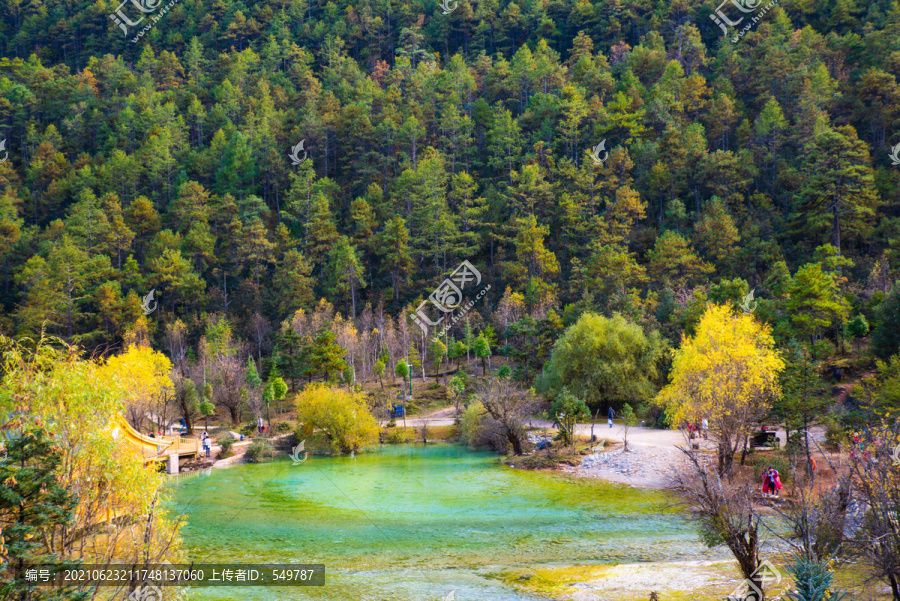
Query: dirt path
(651, 457)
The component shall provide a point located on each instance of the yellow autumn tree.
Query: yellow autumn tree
(143, 375)
(727, 373)
(342, 416)
(120, 515)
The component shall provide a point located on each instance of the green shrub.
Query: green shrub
(665, 420)
(247, 429)
(398, 436)
(259, 451)
(656, 418)
(283, 427)
(812, 581)
(227, 442)
(823, 349)
(470, 425)
(794, 444)
(834, 436)
(642, 411)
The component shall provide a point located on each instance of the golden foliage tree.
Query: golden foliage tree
(144, 376)
(343, 417)
(728, 373)
(119, 516)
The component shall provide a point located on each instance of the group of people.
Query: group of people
(698, 429)
(866, 447)
(206, 442)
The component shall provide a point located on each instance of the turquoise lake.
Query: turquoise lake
(413, 523)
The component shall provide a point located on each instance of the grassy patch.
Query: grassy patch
(558, 455)
(398, 435)
(550, 581)
(540, 460)
(854, 578)
(443, 433)
(401, 435)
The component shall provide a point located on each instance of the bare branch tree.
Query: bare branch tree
(507, 405)
(230, 379)
(261, 329)
(820, 519)
(725, 512)
(876, 474)
(423, 430)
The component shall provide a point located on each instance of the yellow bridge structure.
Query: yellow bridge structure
(151, 448)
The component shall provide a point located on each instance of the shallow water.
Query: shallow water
(413, 523)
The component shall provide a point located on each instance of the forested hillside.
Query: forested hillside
(162, 163)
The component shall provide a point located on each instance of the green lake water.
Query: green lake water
(412, 523)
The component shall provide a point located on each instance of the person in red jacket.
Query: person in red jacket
(771, 482)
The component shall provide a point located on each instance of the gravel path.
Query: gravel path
(651, 457)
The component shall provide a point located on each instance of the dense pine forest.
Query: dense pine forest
(618, 157)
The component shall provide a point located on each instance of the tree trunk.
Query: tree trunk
(515, 442)
(895, 587)
(188, 424)
(809, 471)
(758, 583)
(836, 229)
